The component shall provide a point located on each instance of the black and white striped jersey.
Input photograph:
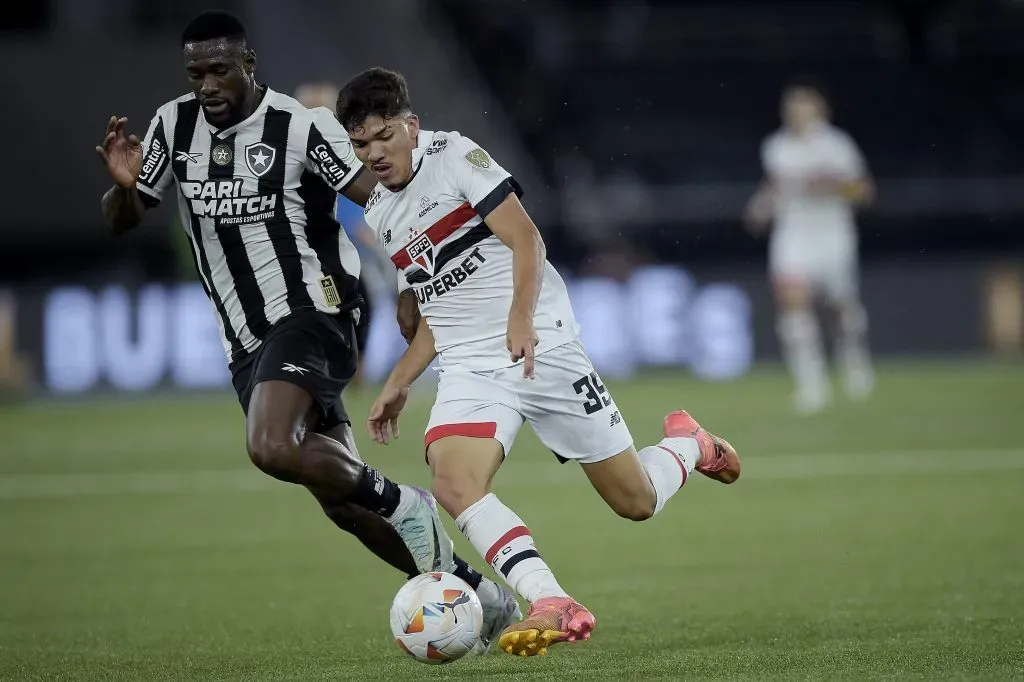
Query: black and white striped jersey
(257, 201)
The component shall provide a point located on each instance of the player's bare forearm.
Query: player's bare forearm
(361, 188)
(859, 192)
(513, 226)
(122, 208)
(416, 359)
(760, 207)
(408, 314)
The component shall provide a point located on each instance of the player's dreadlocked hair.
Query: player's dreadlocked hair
(374, 92)
(212, 25)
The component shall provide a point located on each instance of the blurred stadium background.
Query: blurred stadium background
(876, 540)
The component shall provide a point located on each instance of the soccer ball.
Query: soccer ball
(436, 618)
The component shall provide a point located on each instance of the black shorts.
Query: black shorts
(313, 350)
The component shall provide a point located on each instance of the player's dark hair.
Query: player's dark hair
(212, 25)
(808, 83)
(374, 92)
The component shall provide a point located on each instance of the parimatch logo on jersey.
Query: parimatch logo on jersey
(226, 201)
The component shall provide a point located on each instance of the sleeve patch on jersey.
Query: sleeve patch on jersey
(478, 157)
(155, 162)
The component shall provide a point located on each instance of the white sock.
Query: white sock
(505, 542)
(801, 347)
(852, 350)
(668, 464)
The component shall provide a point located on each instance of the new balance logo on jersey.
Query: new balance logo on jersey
(421, 252)
(289, 367)
(226, 201)
(451, 279)
(259, 158)
(154, 161)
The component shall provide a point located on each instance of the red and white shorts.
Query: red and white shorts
(567, 404)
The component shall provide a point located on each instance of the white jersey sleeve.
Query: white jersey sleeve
(477, 176)
(155, 176)
(848, 157)
(769, 163)
(329, 151)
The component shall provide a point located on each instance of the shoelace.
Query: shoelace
(414, 535)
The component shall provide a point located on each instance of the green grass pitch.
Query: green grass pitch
(878, 541)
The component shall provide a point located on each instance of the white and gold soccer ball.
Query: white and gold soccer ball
(436, 618)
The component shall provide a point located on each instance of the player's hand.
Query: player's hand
(758, 214)
(385, 411)
(823, 185)
(521, 340)
(121, 155)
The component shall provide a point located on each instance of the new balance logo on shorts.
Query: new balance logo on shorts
(289, 367)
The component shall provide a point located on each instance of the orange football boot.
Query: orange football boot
(551, 620)
(718, 459)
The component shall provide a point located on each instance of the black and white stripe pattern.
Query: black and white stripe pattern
(257, 202)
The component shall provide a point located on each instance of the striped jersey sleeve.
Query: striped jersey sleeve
(329, 151)
(155, 175)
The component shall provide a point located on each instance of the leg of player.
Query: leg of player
(852, 348)
(499, 605)
(636, 485)
(800, 337)
(281, 445)
(462, 469)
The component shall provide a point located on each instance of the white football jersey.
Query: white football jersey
(791, 162)
(435, 232)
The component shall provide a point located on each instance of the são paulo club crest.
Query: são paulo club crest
(421, 252)
(259, 158)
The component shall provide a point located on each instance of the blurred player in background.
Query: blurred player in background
(814, 177)
(499, 316)
(255, 176)
(375, 279)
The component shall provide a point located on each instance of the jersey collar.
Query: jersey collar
(257, 112)
(423, 141)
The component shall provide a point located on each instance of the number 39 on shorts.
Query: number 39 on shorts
(594, 391)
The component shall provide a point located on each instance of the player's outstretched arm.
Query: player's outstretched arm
(759, 209)
(415, 360)
(513, 226)
(361, 188)
(122, 156)
(860, 191)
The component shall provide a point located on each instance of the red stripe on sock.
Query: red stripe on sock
(517, 532)
(469, 429)
(679, 461)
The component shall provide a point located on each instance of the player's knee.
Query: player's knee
(455, 492)
(273, 454)
(636, 507)
(853, 319)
